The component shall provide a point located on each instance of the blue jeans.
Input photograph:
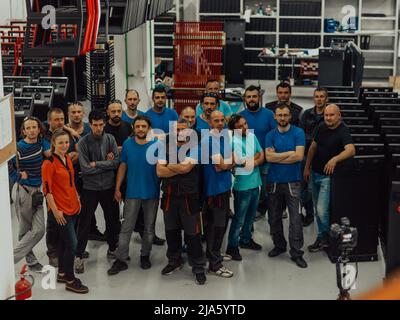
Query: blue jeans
(67, 245)
(245, 204)
(306, 194)
(321, 191)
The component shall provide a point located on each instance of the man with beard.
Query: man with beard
(143, 190)
(121, 131)
(284, 149)
(309, 121)
(132, 102)
(212, 86)
(159, 114)
(209, 103)
(248, 155)
(332, 144)
(180, 175)
(284, 93)
(262, 121)
(115, 126)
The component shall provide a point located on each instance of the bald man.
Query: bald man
(217, 189)
(189, 114)
(332, 144)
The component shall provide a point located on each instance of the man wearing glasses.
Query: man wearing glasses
(284, 149)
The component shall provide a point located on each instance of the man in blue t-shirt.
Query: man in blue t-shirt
(284, 149)
(209, 103)
(31, 151)
(217, 160)
(143, 190)
(159, 115)
(132, 101)
(212, 86)
(248, 155)
(262, 121)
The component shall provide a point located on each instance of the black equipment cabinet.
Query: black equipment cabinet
(357, 192)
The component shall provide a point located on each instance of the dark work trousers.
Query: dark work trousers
(180, 215)
(90, 200)
(93, 224)
(217, 219)
(288, 193)
(66, 247)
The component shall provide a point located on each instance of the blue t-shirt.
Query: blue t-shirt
(215, 182)
(127, 118)
(201, 124)
(142, 180)
(261, 121)
(30, 159)
(161, 120)
(223, 107)
(283, 142)
(246, 147)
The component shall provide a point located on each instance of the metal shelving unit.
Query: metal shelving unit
(163, 35)
(381, 57)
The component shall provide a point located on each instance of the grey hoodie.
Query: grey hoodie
(91, 148)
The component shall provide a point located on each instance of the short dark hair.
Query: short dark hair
(53, 110)
(158, 89)
(321, 89)
(131, 90)
(284, 84)
(211, 80)
(235, 118)
(209, 95)
(282, 105)
(115, 101)
(96, 115)
(253, 88)
(141, 118)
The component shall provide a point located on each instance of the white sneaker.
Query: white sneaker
(222, 272)
(226, 257)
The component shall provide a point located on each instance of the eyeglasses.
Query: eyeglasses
(31, 118)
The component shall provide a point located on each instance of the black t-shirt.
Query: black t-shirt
(330, 143)
(120, 133)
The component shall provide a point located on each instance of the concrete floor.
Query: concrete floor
(257, 277)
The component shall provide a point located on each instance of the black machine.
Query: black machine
(60, 85)
(234, 52)
(334, 66)
(358, 192)
(42, 99)
(18, 82)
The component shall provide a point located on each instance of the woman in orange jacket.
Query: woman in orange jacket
(64, 204)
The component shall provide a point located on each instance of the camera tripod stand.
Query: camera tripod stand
(344, 293)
